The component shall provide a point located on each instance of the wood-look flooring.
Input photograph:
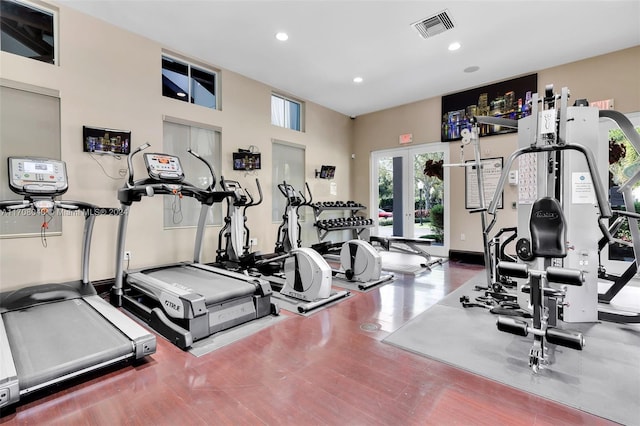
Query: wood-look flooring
(330, 368)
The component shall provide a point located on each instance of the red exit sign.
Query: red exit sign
(605, 104)
(406, 138)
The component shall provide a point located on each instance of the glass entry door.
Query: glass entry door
(410, 191)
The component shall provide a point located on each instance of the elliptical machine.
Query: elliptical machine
(235, 232)
(306, 277)
(289, 230)
(359, 261)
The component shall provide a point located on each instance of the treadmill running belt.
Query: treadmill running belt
(55, 339)
(215, 288)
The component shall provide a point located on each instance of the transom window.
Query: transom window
(27, 31)
(286, 112)
(188, 83)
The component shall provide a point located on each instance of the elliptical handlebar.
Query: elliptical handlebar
(292, 195)
(204, 160)
(310, 200)
(252, 203)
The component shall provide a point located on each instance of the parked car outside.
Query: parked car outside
(422, 213)
(384, 214)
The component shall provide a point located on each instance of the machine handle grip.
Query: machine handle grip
(605, 230)
(130, 160)
(626, 214)
(478, 210)
(310, 200)
(259, 193)
(15, 205)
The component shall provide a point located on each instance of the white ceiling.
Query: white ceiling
(331, 42)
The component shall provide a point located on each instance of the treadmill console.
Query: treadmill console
(164, 167)
(37, 176)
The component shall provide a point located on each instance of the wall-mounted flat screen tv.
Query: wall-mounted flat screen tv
(246, 161)
(327, 172)
(507, 99)
(101, 140)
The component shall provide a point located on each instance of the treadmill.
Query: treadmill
(54, 332)
(188, 301)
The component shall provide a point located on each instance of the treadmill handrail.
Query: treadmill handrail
(129, 194)
(90, 212)
(28, 203)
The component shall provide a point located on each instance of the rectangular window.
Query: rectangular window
(205, 141)
(286, 112)
(20, 107)
(288, 165)
(188, 83)
(27, 31)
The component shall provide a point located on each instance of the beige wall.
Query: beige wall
(604, 77)
(111, 78)
(108, 77)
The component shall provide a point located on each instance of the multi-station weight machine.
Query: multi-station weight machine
(562, 213)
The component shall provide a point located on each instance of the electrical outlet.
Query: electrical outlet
(127, 256)
(253, 241)
(463, 237)
(4, 396)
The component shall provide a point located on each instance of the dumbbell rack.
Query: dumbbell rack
(357, 224)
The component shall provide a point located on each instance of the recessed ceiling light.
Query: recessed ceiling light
(358, 79)
(282, 36)
(454, 46)
(470, 69)
(181, 94)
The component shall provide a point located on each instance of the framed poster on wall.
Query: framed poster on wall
(491, 171)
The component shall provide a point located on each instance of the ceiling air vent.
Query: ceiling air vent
(434, 25)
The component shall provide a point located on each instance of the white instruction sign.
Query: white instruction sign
(527, 178)
(491, 171)
(547, 121)
(582, 189)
